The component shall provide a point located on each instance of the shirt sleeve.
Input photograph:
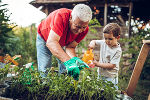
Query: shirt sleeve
(82, 35)
(57, 24)
(99, 42)
(116, 58)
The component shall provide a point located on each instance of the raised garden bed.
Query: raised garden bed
(59, 87)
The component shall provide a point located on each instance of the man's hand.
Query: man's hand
(81, 64)
(72, 68)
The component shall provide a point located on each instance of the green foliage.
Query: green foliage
(92, 24)
(61, 87)
(6, 36)
(4, 71)
(25, 44)
(17, 41)
(142, 90)
(134, 47)
(54, 61)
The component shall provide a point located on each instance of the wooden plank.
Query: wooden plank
(129, 20)
(137, 69)
(105, 13)
(146, 41)
(148, 97)
(121, 20)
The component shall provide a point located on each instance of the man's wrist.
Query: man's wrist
(66, 59)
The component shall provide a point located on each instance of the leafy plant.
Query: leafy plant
(62, 87)
(4, 71)
(25, 44)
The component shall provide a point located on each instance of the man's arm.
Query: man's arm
(55, 48)
(70, 49)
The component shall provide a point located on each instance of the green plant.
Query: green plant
(25, 45)
(54, 61)
(4, 71)
(62, 87)
(6, 37)
(133, 48)
(17, 40)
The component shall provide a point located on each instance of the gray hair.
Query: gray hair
(82, 11)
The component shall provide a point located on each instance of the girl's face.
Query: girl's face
(110, 40)
(77, 26)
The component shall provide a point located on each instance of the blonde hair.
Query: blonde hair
(82, 11)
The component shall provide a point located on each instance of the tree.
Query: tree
(5, 30)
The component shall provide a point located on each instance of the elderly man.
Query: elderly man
(63, 28)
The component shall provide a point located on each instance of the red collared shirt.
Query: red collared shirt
(58, 21)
